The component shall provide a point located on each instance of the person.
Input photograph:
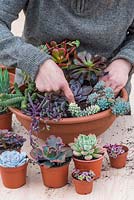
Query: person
(104, 27)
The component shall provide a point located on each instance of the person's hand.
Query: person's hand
(51, 78)
(117, 76)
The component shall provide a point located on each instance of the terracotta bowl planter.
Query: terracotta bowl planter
(55, 177)
(14, 177)
(12, 78)
(6, 121)
(94, 165)
(83, 187)
(120, 161)
(69, 128)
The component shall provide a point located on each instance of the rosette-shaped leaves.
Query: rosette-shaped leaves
(85, 147)
(13, 159)
(54, 153)
(114, 150)
(83, 176)
(10, 140)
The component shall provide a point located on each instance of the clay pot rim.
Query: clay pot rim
(126, 151)
(86, 161)
(4, 115)
(14, 168)
(73, 120)
(44, 166)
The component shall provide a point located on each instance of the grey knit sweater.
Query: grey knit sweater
(102, 27)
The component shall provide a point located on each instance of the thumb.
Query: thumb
(68, 93)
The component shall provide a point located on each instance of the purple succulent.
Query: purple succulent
(114, 150)
(83, 176)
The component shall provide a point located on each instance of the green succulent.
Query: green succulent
(76, 111)
(85, 147)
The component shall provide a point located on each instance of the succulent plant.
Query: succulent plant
(13, 159)
(85, 147)
(83, 175)
(10, 141)
(114, 150)
(61, 53)
(53, 154)
(120, 107)
(76, 111)
(94, 63)
(4, 82)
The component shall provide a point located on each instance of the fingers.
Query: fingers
(68, 93)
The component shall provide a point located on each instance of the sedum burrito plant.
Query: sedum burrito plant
(85, 147)
(54, 153)
(10, 141)
(13, 159)
(83, 175)
(114, 150)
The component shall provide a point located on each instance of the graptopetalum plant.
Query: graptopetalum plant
(85, 147)
(54, 153)
(10, 141)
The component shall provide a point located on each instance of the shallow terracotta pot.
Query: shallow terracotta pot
(94, 165)
(83, 187)
(6, 121)
(14, 177)
(120, 161)
(69, 128)
(55, 177)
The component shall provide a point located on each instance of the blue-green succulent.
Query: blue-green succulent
(13, 159)
(120, 107)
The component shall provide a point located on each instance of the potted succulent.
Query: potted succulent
(87, 155)
(10, 141)
(117, 155)
(54, 159)
(11, 71)
(13, 166)
(95, 109)
(7, 99)
(83, 181)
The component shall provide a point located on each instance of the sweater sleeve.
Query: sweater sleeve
(127, 48)
(14, 50)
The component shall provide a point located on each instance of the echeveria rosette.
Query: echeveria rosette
(10, 141)
(85, 147)
(83, 176)
(54, 153)
(114, 150)
(13, 159)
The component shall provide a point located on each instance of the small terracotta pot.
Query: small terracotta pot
(83, 187)
(10, 69)
(14, 177)
(120, 161)
(94, 165)
(55, 177)
(6, 121)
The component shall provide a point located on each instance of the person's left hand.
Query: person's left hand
(117, 76)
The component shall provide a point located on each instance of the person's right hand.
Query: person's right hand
(51, 78)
